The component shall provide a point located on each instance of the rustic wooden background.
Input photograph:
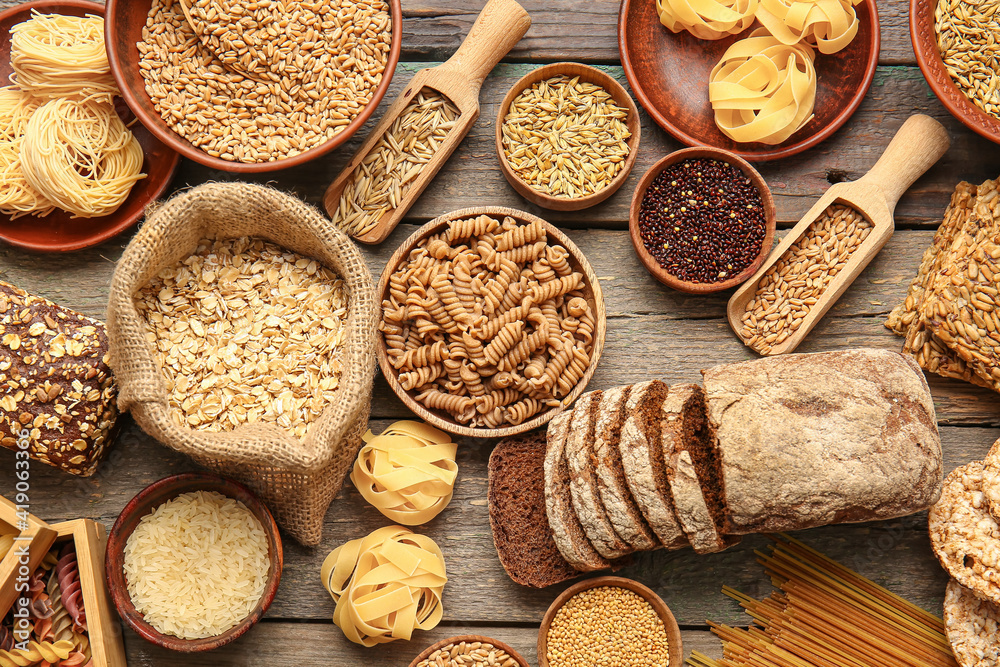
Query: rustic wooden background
(653, 332)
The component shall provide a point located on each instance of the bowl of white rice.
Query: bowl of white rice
(193, 562)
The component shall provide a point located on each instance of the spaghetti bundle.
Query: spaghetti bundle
(17, 197)
(80, 156)
(61, 56)
(827, 616)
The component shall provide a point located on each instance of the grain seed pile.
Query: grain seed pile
(967, 35)
(275, 80)
(386, 174)
(468, 654)
(245, 331)
(795, 283)
(609, 626)
(566, 137)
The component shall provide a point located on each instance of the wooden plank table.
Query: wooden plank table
(652, 333)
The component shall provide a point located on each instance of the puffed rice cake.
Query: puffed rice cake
(972, 625)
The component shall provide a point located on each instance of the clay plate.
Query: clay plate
(669, 75)
(676, 647)
(58, 231)
(123, 27)
(929, 58)
(145, 502)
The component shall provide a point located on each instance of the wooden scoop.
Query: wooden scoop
(498, 28)
(918, 144)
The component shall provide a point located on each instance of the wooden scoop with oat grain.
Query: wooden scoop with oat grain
(369, 198)
(853, 220)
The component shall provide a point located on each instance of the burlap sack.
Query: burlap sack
(296, 478)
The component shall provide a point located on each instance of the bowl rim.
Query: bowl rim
(600, 324)
(457, 639)
(940, 82)
(655, 601)
(160, 492)
(125, 222)
(618, 92)
(779, 151)
(650, 263)
(158, 128)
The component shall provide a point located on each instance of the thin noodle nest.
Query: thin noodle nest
(17, 196)
(80, 156)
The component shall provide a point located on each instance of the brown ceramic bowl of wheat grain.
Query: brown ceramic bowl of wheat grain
(423, 305)
(516, 165)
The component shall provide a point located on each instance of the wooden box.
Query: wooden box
(89, 539)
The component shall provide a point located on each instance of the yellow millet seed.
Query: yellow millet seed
(607, 626)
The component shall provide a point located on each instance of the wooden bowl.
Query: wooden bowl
(145, 502)
(931, 64)
(469, 638)
(58, 231)
(669, 74)
(124, 22)
(650, 262)
(590, 75)
(669, 622)
(592, 288)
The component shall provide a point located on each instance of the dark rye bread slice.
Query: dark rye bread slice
(521, 531)
(694, 470)
(583, 480)
(569, 536)
(643, 462)
(619, 505)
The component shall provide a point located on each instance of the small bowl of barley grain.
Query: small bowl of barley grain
(609, 620)
(196, 78)
(469, 651)
(567, 136)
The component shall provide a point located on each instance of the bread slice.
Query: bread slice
(583, 480)
(619, 505)
(569, 536)
(694, 471)
(641, 448)
(521, 531)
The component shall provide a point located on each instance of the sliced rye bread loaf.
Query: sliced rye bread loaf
(640, 446)
(583, 480)
(567, 532)
(694, 471)
(619, 505)
(521, 531)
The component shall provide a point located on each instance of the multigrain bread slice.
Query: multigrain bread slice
(693, 469)
(583, 480)
(643, 457)
(569, 536)
(621, 509)
(521, 531)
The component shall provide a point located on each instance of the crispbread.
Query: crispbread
(964, 535)
(973, 627)
(521, 532)
(959, 309)
(991, 480)
(642, 451)
(621, 509)
(567, 532)
(583, 480)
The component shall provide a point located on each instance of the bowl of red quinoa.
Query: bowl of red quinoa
(702, 220)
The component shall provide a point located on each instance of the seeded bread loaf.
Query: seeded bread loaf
(569, 536)
(521, 531)
(58, 391)
(645, 453)
(813, 439)
(619, 505)
(583, 480)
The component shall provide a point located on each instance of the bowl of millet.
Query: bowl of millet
(702, 220)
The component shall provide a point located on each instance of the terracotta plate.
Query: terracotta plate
(929, 58)
(58, 232)
(669, 75)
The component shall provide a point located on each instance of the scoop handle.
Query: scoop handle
(500, 26)
(919, 143)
